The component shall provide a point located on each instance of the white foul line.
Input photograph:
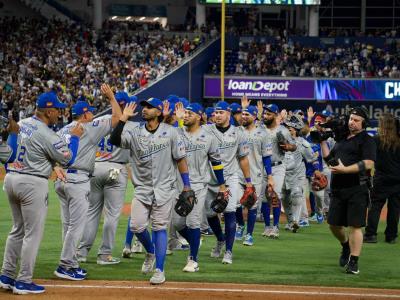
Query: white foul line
(284, 292)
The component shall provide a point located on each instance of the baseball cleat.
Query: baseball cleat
(352, 267)
(304, 223)
(126, 253)
(191, 266)
(227, 260)
(22, 288)
(274, 233)
(6, 282)
(295, 227)
(80, 271)
(69, 274)
(217, 250)
(248, 240)
(239, 233)
(137, 247)
(344, 257)
(267, 231)
(148, 263)
(158, 277)
(107, 260)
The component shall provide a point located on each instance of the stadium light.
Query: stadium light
(113, 18)
(156, 19)
(128, 18)
(142, 18)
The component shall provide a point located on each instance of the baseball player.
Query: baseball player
(311, 169)
(73, 184)
(201, 149)
(295, 176)
(8, 150)
(26, 185)
(260, 151)
(232, 143)
(273, 127)
(107, 192)
(155, 148)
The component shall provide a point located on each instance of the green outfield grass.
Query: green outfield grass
(306, 258)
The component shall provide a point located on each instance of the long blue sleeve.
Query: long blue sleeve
(73, 146)
(12, 141)
(267, 164)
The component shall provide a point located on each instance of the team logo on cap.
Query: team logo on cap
(49, 104)
(85, 109)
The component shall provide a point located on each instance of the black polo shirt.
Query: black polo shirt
(350, 151)
(387, 166)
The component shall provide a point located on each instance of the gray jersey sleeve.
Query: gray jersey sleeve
(5, 153)
(38, 149)
(99, 128)
(177, 144)
(128, 134)
(306, 150)
(213, 152)
(266, 144)
(243, 148)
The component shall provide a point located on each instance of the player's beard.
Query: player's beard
(268, 121)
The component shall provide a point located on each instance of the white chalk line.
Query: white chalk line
(227, 290)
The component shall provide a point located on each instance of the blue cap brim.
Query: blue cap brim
(60, 105)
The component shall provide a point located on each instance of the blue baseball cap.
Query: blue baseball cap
(272, 108)
(325, 113)
(251, 110)
(81, 107)
(235, 108)
(172, 98)
(49, 100)
(122, 98)
(196, 108)
(184, 101)
(222, 105)
(209, 111)
(154, 102)
(133, 99)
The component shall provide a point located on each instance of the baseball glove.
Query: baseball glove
(272, 197)
(185, 203)
(319, 182)
(249, 197)
(221, 201)
(281, 140)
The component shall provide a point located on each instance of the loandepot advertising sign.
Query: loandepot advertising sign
(259, 88)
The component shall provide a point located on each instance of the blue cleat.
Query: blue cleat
(239, 233)
(81, 271)
(6, 282)
(23, 288)
(70, 274)
(320, 218)
(248, 240)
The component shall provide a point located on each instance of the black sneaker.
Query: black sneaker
(390, 241)
(344, 257)
(371, 239)
(352, 267)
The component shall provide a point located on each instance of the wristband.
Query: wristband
(248, 180)
(361, 166)
(185, 179)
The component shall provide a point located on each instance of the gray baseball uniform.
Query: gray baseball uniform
(295, 178)
(107, 191)
(277, 159)
(154, 156)
(26, 185)
(74, 192)
(201, 149)
(259, 143)
(232, 145)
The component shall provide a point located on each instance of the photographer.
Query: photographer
(350, 161)
(386, 180)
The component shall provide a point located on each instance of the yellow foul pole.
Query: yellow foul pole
(222, 49)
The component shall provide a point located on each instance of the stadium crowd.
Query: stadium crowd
(285, 57)
(72, 59)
